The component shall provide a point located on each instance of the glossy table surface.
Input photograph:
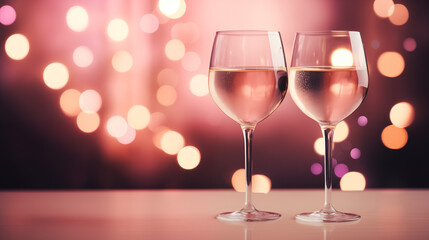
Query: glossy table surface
(190, 214)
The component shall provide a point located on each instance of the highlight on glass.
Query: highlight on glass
(248, 81)
(328, 81)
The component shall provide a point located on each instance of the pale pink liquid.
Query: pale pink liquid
(248, 95)
(328, 95)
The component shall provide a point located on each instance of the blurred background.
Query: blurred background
(113, 94)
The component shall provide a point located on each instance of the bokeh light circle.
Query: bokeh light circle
(77, 18)
(238, 180)
(17, 46)
(191, 61)
(7, 15)
(168, 7)
(138, 117)
(168, 76)
(410, 44)
(172, 142)
(399, 14)
(90, 101)
(117, 126)
(394, 137)
(319, 146)
(199, 85)
(174, 49)
(382, 7)
(166, 95)
(316, 168)
(56, 75)
(128, 137)
(342, 57)
(122, 61)
(260, 183)
(353, 181)
(83, 56)
(69, 102)
(375, 44)
(189, 157)
(117, 29)
(402, 114)
(149, 23)
(355, 153)
(180, 11)
(88, 122)
(362, 121)
(390, 64)
(340, 170)
(341, 132)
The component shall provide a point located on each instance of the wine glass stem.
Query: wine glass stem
(328, 134)
(248, 136)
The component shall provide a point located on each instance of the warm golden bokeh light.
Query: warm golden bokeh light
(238, 180)
(174, 49)
(399, 14)
(168, 7)
(138, 117)
(353, 181)
(69, 102)
(172, 142)
(394, 137)
(122, 61)
(56, 75)
(390, 64)
(402, 114)
(189, 157)
(117, 126)
(90, 101)
(341, 132)
(88, 122)
(342, 57)
(77, 18)
(17, 46)
(382, 7)
(83, 56)
(117, 30)
(199, 85)
(319, 146)
(179, 12)
(260, 183)
(166, 95)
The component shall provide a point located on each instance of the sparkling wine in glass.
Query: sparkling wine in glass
(328, 81)
(248, 81)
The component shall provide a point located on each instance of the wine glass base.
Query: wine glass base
(248, 216)
(327, 217)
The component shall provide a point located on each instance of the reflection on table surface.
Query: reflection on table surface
(190, 214)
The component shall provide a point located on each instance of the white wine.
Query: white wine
(328, 94)
(248, 95)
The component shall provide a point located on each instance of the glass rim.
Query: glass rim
(246, 32)
(329, 32)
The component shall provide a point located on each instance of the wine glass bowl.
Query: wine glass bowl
(248, 81)
(328, 80)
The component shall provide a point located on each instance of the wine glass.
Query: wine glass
(248, 81)
(328, 81)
